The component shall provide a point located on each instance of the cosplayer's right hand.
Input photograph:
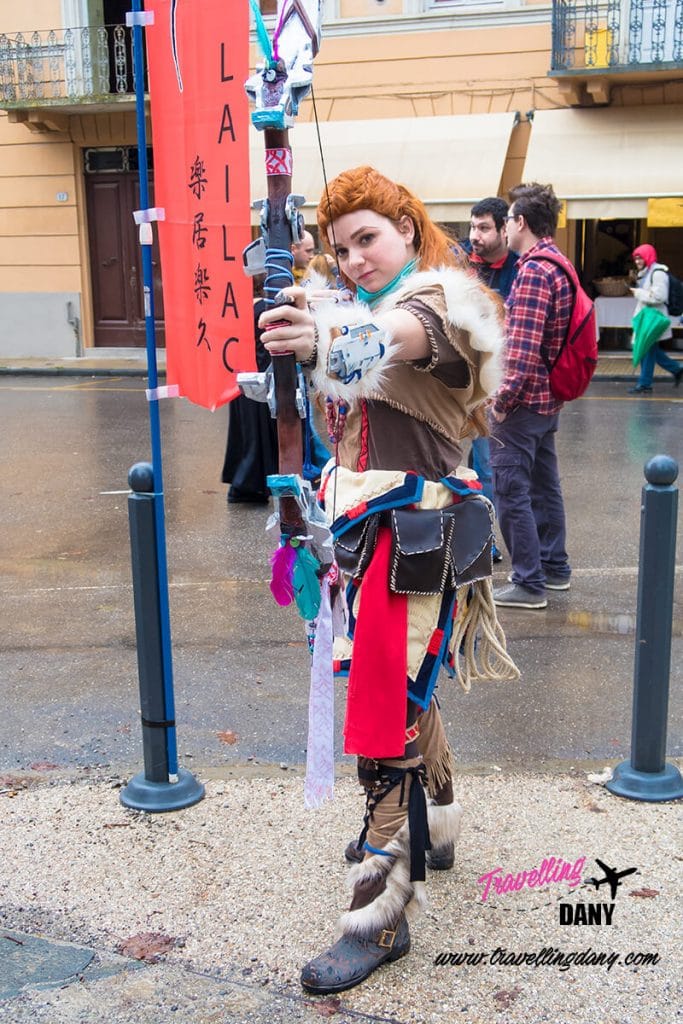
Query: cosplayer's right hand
(289, 328)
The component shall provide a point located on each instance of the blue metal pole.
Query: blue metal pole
(152, 790)
(647, 775)
(155, 429)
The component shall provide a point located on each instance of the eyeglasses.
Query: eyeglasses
(512, 216)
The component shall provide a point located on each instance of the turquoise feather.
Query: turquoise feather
(306, 583)
(261, 31)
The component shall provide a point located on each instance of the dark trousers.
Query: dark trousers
(528, 497)
(657, 355)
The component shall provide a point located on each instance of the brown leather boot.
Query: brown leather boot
(441, 858)
(444, 829)
(352, 854)
(352, 959)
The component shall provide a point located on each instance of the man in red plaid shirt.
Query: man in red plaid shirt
(524, 413)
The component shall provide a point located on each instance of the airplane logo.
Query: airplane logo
(612, 877)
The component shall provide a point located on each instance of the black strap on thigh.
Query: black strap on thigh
(420, 842)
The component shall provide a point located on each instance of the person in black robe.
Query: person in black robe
(251, 453)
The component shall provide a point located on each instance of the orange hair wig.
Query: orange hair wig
(364, 188)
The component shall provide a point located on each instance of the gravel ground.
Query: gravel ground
(250, 884)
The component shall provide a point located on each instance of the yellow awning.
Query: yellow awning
(608, 163)
(665, 213)
(450, 162)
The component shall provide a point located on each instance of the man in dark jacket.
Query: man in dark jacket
(489, 254)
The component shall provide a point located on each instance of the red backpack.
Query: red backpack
(571, 371)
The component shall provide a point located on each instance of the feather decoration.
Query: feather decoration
(306, 583)
(282, 562)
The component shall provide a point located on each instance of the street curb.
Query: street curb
(63, 371)
(60, 371)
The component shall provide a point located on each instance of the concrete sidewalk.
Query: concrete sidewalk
(234, 894)
(133, 362)
(207, 914)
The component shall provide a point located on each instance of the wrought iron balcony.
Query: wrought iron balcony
(617, 35)
(597, 44)
(66, 67)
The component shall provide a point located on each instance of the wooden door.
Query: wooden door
(116, 263)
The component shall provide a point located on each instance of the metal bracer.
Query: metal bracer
(355, 351)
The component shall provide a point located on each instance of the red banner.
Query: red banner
(198, 56)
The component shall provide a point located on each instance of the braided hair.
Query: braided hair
(364, 188)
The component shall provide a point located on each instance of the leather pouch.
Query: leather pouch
(471, 542)
(354, 549)
(420, 551)
(435, 549)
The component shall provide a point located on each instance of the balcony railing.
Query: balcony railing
(60, 66)
(619, 35)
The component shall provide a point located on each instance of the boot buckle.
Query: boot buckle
(387, 938)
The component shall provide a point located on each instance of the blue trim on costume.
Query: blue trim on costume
(423, 687)
(449, 665)
(373, 849)
(408, 492)
(351, 591)
(458, 486)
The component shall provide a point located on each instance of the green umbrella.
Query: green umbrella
(648, 326)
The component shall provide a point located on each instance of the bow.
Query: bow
(276, 89)
(303, 563)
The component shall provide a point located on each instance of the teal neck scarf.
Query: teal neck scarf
(373, 298)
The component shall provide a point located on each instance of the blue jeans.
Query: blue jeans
(481, 464)
(647, 366)
(318, 453)
(529, 503)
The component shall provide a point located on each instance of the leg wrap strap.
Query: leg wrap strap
(388, 780)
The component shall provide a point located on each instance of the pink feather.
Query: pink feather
(282, 561)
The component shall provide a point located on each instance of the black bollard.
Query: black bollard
(647, 776)
(157, 789)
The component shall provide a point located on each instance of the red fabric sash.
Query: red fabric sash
(377, 695)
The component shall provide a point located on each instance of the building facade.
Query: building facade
(458, 100)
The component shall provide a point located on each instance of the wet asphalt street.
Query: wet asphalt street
(68, 669)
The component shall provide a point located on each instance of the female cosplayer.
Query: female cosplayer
(406, 368)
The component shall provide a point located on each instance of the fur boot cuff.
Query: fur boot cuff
(390, 875)
(444, 823)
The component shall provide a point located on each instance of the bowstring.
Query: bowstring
(334, 244)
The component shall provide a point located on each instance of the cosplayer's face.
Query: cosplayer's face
(371, 249)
